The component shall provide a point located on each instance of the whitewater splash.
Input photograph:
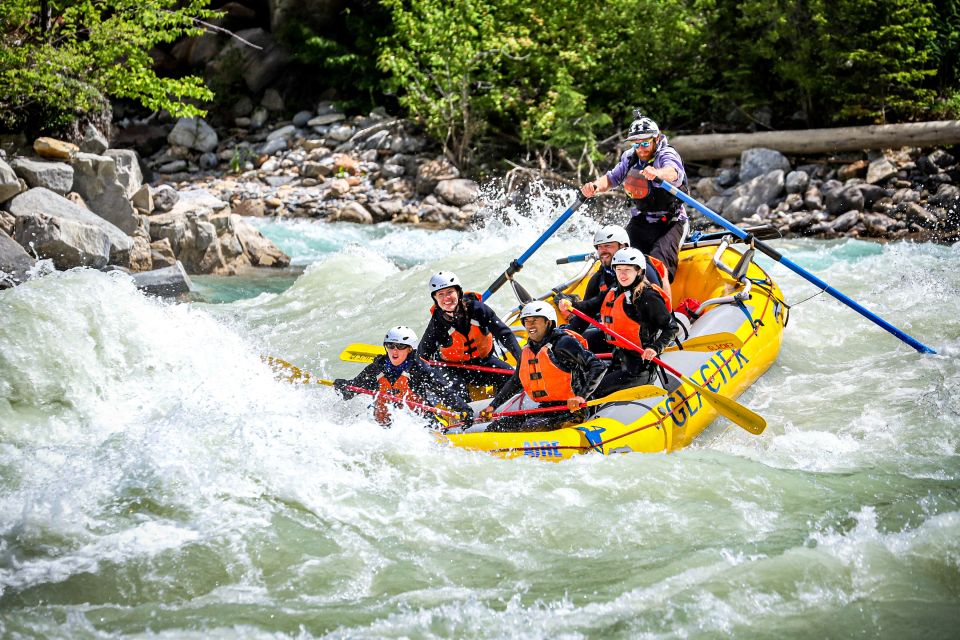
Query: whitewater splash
(156, 479)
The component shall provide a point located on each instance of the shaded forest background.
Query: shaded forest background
(500, 77)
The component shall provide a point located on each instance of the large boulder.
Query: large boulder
(432, 172)
(761, 190)
(760, 161)
(458, 191)
(261, 251)
(193, 133)
(127, 164)
(67, 233)
(10, 184)
(168, 281)
(56, 176)
(96, 179)
(14, 262)
(193, 239)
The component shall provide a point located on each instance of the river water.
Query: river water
(156, 481)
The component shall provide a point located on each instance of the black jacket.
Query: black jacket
(570, 356)
(424, 381)
(658, 327)
(601, 282)
(437, 333)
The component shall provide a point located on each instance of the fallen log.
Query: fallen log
(717, 146)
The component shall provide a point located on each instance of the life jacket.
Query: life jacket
(646, 198)
(661, 269)
(398, 389)
(542, 379)
(614, 316)
(474, 345)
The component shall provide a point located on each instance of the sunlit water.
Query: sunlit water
(156, 481)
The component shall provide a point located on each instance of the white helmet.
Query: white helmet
(629, 255)
(538, 308)
(612, 233)
(442, 280)
(402, 335)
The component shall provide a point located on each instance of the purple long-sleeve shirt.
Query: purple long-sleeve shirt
(666, 156)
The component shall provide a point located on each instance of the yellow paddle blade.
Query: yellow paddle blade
(731, 409)
(629, 395)
(359, 352)
(711, 342)
(292, 373)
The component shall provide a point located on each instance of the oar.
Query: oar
(626, 395)
(305, 377)
(773, 253)
(727, 407)
(517, 264)
(359, 352)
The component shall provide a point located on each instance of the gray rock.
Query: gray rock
(846, 221)
(142, 200)
(165, 198)
(272, 101)
(15, 263)
(164, 282)
(193, 133)
(98, 182)
(56, 176)
(844, 199)
(95, 237)
(340, 133)
(286, 133)
(727, 178)
(947, 196)
(913, 213)
(871, 193)
(93, 140)
(353, 212)
(261, 251)
(174, 166)
(796, 182)
(392, 170)
(208, 161)
(880, 170)
(129, 175)
(760, 161)
(458, 192)
(10, 184)
(763, 189)
(259, 117)
(707, 188)
(271, 147)
(302, 118)
(432, 172)
(812, 198)
(325, 119)
(243, 107)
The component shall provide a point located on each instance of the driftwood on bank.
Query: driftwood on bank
(820, 141)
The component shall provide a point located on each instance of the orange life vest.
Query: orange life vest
(476, 344)
(614, 317)
(399, 389)
(542, 379)
(661, 269)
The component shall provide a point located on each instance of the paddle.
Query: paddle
(727, 407)
(365, 353)
(305, 377)
(359, 352)
(517, 264)
(777, 257)
(626, 395)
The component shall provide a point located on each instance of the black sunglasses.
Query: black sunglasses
(396, 345)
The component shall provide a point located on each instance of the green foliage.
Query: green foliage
(61, 59)
(849, 61)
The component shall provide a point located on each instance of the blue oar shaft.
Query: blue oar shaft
(517, 264)
(773, 253)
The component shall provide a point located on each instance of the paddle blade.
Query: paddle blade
(363, 353)
(711, 342)
(629, 395)
(733, 410)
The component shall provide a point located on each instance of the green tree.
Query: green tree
(60, 59)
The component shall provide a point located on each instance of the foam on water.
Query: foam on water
(156, 480)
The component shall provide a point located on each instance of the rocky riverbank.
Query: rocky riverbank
(175, 194)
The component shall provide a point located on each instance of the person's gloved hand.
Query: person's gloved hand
(340, 385)
(467, 417)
